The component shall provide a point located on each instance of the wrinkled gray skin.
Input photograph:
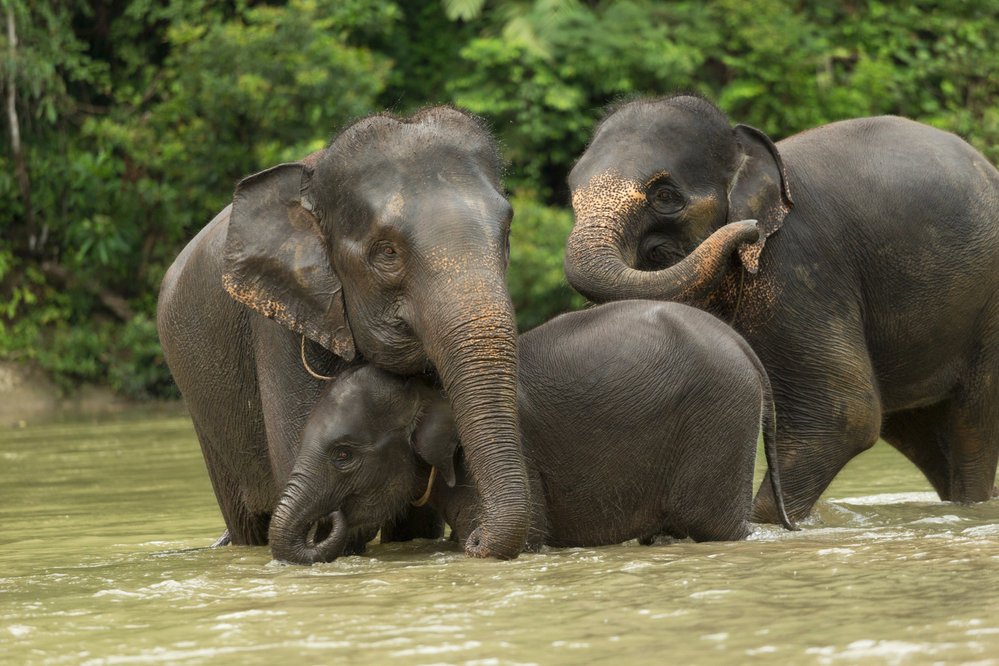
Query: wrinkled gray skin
(870, 290)
(390, 246)
(639, 418)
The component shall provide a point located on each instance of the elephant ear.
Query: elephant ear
(435, 438)
(275, 259)
(759, 190)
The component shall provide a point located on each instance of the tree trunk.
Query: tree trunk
(20, 165)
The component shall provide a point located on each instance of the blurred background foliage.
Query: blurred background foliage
(127, 123)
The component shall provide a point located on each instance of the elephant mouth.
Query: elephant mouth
(395, 344)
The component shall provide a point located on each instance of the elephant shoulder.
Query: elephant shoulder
(204, 249)
(193, 282)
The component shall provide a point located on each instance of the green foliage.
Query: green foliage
(138, 117)
(536, 279)
(544, 75)
(136, 128)
(137, 368)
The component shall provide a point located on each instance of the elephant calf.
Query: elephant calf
(638, 418)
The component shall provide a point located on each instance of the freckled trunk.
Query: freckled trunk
(596, 264)
(301, 507)
(473, 346)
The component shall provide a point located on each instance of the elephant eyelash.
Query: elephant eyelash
(655, 179)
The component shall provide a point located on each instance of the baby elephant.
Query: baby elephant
(638, 418)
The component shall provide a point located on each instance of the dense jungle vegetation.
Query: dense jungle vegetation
(127, 123)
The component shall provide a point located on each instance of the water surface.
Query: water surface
(102, 561)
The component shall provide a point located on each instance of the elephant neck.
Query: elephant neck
(743, 301)
(725, 300)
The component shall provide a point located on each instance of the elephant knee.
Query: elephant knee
(862, 427)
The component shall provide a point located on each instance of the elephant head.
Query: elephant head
(664, 196)
(392, 244)
(374, 443)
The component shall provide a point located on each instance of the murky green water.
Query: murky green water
(102, 562)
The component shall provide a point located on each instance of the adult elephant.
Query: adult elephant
(389, 246)
(872, 296)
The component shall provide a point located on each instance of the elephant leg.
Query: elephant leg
(234, 480)
(214, 371)
(287, 391)
(919, 434)
(828, 411)
(224, 540)
(973, 428)
(710, 495)
(422, 522)
(249, 439)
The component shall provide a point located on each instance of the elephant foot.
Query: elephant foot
(223, 540)
(660, 539)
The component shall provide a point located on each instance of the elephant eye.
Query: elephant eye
(667, 200)
(342, 457)
(385, 255)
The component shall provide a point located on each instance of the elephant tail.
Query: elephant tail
(770, 441)
(769, 435)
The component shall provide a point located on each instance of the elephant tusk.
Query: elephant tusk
(430, 486)
(309, 370)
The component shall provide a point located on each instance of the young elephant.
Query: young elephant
(638, 418)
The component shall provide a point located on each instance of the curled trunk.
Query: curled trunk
(596, 267)
(293, 527)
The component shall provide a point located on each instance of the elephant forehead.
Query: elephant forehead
(440, 207)
(395, 205)
(608, 193)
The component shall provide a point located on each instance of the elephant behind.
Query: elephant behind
(389, 246)
(639, 418)
(870, 289)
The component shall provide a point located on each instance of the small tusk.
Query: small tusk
(430, 486)
(309, 370)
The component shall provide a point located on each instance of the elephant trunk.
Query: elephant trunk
(474, 349)
(294, 528)
(595, 263)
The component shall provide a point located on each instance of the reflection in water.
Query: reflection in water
(102, 562)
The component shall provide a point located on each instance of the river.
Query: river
(103, 561)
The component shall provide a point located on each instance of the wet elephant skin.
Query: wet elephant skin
(628, 433)
(868, 286)
(388, 247)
